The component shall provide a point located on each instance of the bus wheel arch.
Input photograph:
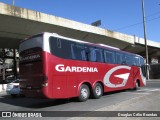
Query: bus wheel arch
(98, 90)
(137, 84)
(84, 92)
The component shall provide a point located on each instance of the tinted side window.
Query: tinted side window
(95, 55)
(78, 51)
(92, 54)
(141, 61)
(136, 61)
(60, 47)
(120, 58)
(109, 56)
(129, 59)
(99, 55)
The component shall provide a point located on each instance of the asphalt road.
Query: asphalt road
(7, 103)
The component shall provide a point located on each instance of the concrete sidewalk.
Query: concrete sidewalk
(154, 80)
(147, 102)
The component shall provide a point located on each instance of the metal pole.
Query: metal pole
(13, 2)
(145, 40)
(4, 68)
(15, 63)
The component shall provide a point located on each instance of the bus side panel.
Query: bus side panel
(59, 86)
(74, 78)
(64, 84)
(140, 77)
(117, 77)
(57, 81)
(72, 85)
(135, 76)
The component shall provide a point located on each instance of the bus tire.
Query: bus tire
(84, 93)
(136, 85)
(97, 91)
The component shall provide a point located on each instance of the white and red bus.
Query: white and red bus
(53, 66)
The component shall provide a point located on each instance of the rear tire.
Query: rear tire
(84, 93)
(97, 91)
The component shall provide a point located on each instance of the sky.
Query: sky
(123, 16)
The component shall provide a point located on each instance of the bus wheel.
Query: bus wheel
(84, 93)
(97, 91)
(137, 85)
